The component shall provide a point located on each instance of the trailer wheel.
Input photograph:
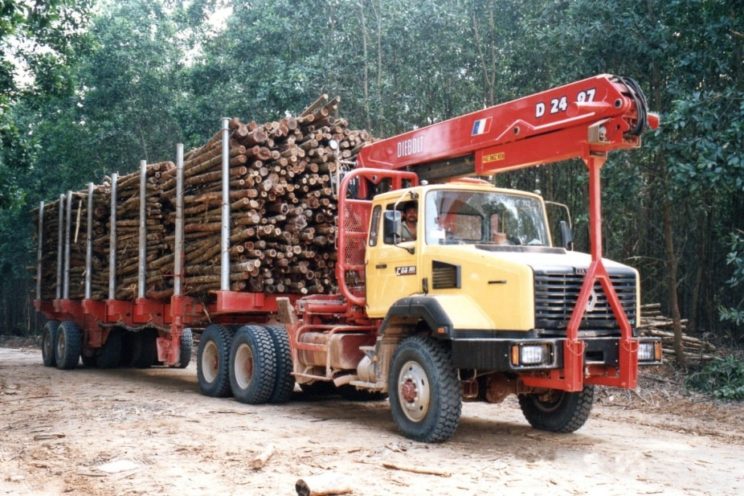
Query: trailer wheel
(284, 379)
(252, 365)
(144, 349)
(187, 344)
(425, 396)
(109, 356)
(351, 393)
(69, 343)
(557, 411)
(48, 341)
(212, 362)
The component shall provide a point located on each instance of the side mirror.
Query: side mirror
(566, 235)
(392, 227)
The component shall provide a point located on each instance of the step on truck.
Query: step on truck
(449, 289)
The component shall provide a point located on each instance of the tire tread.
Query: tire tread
(284, 379)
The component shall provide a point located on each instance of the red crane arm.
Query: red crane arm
(594, 115)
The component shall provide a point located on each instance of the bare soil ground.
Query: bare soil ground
(128, 432)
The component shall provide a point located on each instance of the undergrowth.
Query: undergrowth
(723, 378)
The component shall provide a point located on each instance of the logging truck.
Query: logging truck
(478, 301)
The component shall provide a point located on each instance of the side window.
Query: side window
(374, 228)
(389, 207)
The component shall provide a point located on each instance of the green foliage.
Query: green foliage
(127, 80)
(723, 378)
(735, 258)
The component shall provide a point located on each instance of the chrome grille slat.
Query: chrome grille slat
(556, 294)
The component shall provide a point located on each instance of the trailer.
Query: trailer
(477, 302)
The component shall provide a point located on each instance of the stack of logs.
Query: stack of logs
(127, 229)
(78, 237)
(654, 324)
(101, 221)
(282, 203)
(282, 222)
(49, 250)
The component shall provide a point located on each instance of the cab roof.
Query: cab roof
(455, 185)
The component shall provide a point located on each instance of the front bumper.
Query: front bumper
(498, 354)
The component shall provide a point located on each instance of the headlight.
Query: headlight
(530, 354)
(649, 351)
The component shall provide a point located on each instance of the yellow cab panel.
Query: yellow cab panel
(457, 257)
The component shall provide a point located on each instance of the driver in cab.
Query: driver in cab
(410, 219)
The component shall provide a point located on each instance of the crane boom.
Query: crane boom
(591, 116)
(585, 119)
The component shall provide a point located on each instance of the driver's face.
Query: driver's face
(411, 215)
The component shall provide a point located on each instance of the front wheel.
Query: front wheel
(557, 411)
(425, 397)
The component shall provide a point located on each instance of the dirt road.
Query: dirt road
(150, 432)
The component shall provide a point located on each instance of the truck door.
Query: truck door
(392, 271)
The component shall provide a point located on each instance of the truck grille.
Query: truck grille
(556, 294)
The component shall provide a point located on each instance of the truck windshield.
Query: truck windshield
(477, 217)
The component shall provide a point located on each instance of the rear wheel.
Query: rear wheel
(48, 341)
(69, 344)
(557, 411)
(252, 365)
(109, 356)
(284, 379)
(425, 396)
(187, 344)
(212, 361)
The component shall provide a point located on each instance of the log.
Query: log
(323, 485)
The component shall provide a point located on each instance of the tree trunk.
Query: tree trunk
(671, 260)
(701, 264)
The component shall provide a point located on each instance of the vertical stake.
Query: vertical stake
(60, 247)
(178, 255)
(39, 250)
(141, 273)
(68, 221)
(225, 240)
(112, 239)
(89, 241)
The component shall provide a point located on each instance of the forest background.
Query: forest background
(91, 87)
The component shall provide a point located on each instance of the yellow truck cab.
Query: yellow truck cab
(483, 273)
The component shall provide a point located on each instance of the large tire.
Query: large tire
(68, 346)
(109, 356)
(285, 382)
(48, 342)
(213, 361)
(425, 395)
(187, 344)
(252, 365)
(144, 348)
(557, 411)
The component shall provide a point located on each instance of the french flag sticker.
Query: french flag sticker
(481, 126)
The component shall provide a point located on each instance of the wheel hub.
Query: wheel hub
(414, 391)
(243, 366)
(210, 362)
(61, 345)
(408, 391)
